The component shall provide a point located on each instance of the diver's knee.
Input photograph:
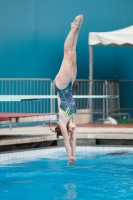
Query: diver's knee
(68, 53)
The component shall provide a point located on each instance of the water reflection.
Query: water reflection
(71, 191)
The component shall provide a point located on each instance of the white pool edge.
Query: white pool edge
(33, 154)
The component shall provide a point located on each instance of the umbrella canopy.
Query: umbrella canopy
(122, 37)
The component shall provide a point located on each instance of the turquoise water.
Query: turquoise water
(103, 176)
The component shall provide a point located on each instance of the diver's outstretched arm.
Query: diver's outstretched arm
(63, 128)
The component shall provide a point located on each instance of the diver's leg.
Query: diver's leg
(76, 34)
(74, 65)
(71, 39)
(64, 75)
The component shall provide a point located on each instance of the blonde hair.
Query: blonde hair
(57, 129)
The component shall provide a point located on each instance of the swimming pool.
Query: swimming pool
(96, 175)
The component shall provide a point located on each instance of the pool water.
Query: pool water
(94, 176)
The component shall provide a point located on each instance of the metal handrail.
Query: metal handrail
(27, 86)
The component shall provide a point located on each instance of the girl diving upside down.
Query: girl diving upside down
(64, 81)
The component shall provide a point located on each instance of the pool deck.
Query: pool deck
(88, 134)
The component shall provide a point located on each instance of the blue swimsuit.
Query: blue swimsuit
(67, 102)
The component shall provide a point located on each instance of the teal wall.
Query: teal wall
(32, 34)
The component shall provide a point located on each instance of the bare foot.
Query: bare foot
(81, 21)
(71, 160)
(77, 21)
